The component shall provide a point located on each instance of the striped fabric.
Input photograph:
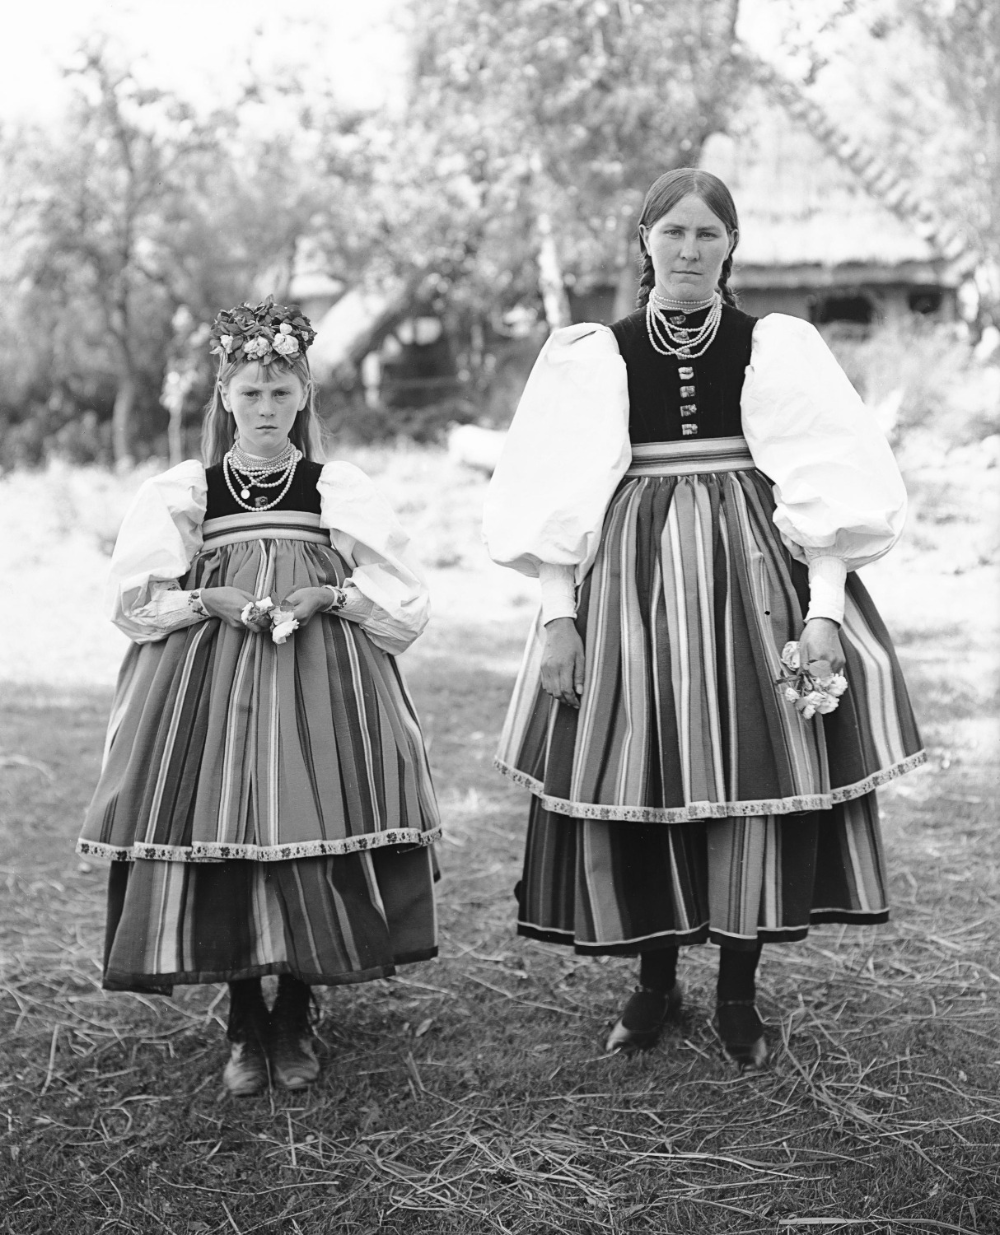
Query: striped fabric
(619, 888)
(268, 808)
(223, 744)
(283, 524)
(684, 615)
(325, 920)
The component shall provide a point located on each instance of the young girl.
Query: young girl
(265, 797)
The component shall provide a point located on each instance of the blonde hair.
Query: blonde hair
(218, 430)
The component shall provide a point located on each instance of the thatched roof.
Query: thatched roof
(801, 206)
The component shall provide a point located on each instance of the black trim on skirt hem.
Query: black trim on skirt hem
(673, 939)
(148, 984)
(704, 934)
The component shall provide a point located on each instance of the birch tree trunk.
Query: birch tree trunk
(550, 276)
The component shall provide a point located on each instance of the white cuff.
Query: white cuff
(356, 607)
(169, 609)
(558, 591)
(827, 576)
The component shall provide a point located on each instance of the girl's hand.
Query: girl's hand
(563, 662)
(820, 641)
(227, 603)
(306, 602)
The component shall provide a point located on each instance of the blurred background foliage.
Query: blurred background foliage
(507, 179)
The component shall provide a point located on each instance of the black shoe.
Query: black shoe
(742, 1032)
(290, 1042)
(643, 1018)
(246, 1071)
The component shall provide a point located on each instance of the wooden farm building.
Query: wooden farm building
(827, 233)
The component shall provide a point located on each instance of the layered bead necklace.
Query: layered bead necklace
(670, 337)
(244, 471)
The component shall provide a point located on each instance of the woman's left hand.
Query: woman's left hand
(820, 641)
(306, 602)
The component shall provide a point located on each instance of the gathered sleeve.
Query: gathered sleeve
(365, 531)
(566, 451)
(159, 538)
(839, 498)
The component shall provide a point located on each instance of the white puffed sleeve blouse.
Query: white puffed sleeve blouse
(839, 498)
(162, 534)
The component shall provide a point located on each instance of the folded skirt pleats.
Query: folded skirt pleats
(621, 888)
(273, 792)
(327, 920)
(686, 798)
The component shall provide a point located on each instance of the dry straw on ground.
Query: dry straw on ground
(471, 1094)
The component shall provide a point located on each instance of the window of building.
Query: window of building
(844, 307)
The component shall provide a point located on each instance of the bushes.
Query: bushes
(919, 374)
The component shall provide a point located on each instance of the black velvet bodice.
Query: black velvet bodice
(673, 399)
(302, 494)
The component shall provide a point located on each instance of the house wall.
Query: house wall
(890, 303)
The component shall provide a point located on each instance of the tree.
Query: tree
(138, 207)
(555, 115)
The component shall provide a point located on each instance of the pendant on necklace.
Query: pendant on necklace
(244, 494)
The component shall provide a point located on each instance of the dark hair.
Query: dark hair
(663, 195)
(218, 431)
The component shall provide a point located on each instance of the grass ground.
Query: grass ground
(470, 1094)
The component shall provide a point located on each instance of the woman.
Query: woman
(265, 797)
(694, 489)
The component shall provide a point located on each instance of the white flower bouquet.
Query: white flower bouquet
(810, 692)
(256, 614)
(283, 623)
(264, 615)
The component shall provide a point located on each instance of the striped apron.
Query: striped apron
(686, 799)
(268, 808)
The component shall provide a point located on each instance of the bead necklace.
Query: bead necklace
(667, 305)
(260, 465)
(250, 471)
(671, 340)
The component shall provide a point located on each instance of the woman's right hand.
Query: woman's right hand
(226, 603)
(563, 662)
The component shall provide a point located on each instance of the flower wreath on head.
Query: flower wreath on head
(261, 332)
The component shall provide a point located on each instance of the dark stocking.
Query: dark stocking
(291, 1008)
(658, 970)
(247, 1010)
(737, 972)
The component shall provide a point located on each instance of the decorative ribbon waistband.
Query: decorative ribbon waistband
(268, 525)
(712, 454)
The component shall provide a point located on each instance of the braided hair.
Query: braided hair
(647, 277)
(663, 195)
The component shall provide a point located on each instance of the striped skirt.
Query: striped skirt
(772, 821)
(268, 808)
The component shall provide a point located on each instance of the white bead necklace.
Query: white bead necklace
(250, 470)
(680, 306)
(677, 341)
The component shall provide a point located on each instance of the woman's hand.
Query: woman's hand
(820, 641)
(563, 662)
(227, 603)
(306, 602)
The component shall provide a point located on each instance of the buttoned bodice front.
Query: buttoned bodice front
(673, 398)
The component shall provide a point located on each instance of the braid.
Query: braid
(728, 295)
(647, 281)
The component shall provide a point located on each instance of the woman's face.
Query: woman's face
(264, 404)
(688, 246)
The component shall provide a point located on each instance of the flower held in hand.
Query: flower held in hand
(809, 694)
(283, 623)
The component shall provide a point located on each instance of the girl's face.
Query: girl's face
(264, 404)
(688, 246)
